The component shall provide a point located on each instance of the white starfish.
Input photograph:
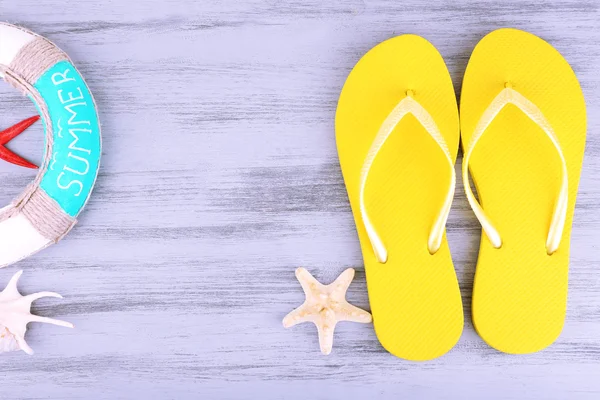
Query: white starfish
(325, 306)
(15, 315)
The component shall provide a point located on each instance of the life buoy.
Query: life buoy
(47, 210)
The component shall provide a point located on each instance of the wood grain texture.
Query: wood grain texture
(220, 176)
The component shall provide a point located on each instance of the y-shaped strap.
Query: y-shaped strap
(408, 105)
(510, 96)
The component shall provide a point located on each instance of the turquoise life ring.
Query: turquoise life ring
(48, 208)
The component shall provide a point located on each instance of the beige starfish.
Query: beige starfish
(325, 306)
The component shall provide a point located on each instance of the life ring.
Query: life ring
(47, 210)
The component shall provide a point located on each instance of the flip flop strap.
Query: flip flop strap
(408, 105)
(510, 96)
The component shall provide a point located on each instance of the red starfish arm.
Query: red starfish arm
(8, 134)
(12, 158)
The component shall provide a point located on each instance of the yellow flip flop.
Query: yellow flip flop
(523, 124)
(397, 135)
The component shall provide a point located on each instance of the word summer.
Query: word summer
(76, 156)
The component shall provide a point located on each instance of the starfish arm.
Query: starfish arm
(13, 158)
(297, 316)
(343, 281)
(307, 281)
(348, 312)
(8, 134)
(325, 327)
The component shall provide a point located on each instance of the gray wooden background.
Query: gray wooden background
(220, 177)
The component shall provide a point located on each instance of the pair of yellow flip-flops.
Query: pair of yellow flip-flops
(522, 127)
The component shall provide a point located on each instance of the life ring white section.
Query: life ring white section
(19, 239)
(11, 42)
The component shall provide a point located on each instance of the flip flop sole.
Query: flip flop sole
(414, 296)
(520, 292)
